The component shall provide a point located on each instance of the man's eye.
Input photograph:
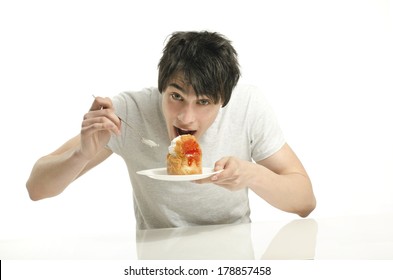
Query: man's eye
(176, 96)
(204, 102)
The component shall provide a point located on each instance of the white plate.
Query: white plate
(161, 174)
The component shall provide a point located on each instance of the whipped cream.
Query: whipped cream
(171, 148)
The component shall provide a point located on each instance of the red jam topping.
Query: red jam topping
(192, 151)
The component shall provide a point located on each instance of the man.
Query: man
(197, 94)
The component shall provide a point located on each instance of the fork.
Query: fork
(144, 140)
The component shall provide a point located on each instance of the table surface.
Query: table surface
(363, 237)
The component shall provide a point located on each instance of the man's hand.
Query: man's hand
(97, 126)
(234, 176)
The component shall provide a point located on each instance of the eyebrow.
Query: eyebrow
(177, 86)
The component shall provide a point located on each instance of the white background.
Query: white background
(325, 66)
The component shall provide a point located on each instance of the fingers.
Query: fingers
(101, 103)
(97, 126)
(231, 177)
(229, 165)
(106, 117)
(91, 125)
(102, 116)
(221, 165)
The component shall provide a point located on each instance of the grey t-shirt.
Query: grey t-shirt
(246, 128)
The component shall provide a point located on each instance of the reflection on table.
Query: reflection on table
(295, 240)
(363, 237)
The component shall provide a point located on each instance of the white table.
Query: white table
(354, 238)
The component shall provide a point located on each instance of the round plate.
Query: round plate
(161, 174)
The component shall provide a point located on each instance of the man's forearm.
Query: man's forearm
(290, 192)
(53, 173)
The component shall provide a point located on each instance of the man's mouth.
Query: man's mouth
(180, 131)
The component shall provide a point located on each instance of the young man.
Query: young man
(197, 94)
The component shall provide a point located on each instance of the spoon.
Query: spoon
(144, 140)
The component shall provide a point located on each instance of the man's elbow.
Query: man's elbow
(34, 192)
(307, 208)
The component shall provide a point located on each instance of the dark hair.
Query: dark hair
(207, 61)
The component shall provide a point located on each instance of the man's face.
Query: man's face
(184, 112)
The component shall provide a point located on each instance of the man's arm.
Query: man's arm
(51, 174)
(284, 183)
(280, 179)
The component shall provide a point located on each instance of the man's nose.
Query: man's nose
(186, 115)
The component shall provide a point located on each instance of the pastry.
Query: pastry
(184, 156)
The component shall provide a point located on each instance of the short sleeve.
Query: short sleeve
(265, 132)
